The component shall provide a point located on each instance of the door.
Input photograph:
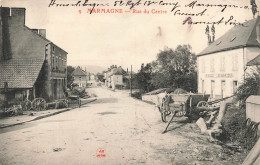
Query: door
(212, 92)
(234, 86)
(223, 86)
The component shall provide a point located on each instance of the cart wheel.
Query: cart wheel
(26, 105)
(202, 104)
(39, 104)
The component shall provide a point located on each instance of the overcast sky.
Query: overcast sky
(127, 38)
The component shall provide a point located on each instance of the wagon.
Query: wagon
(183, 105)
(74, 99)
(190, 105)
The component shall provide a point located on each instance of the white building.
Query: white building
(222, 65)
(80, 77)
(114, 77)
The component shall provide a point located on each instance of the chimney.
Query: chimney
(1, 34)
(5, 44)
(42, 32)
(18, 16)
(213, 33)
(258, 33)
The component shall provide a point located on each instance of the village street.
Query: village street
(115, 129)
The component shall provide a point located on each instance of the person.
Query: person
(166, 105)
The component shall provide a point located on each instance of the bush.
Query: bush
(250, 86)
(235, 130)
(137, 95)
(79, 91)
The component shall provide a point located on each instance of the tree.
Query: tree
(70, 78)
(175, 68)
(143, 78)
(250, 86)
(100, 77)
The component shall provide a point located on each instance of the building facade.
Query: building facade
(222, 66)
(114, 77)
(31, 66)
(80, 77)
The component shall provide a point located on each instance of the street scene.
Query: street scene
(129, 131)
(136, 82)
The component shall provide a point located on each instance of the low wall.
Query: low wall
(253, 108)
(156, 99)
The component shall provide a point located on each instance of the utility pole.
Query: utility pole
(131, 82)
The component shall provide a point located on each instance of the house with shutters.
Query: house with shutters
(31, 66)
(222, 66)
(80, 77)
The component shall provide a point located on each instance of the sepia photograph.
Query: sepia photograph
(139, 82)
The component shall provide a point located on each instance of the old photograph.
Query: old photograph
(118, 82)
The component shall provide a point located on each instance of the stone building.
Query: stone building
(31, 66)
(80, 77)
(223, 64)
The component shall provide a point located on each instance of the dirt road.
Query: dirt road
(115, 129)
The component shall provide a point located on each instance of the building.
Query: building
(114, 77)
(80, 77)
(223, 64)
(31, 66)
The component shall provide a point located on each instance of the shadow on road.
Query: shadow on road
(105, 100)
(107, 113)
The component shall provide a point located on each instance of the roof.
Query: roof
(78, 72)
(236, 37)
(118, 71)
(44, 38)
(255, 61)
(20, 73)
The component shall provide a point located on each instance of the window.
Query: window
(203, 66)
(202, 86)
(212, 67)
(57, 62)
(235, 62)
(222, 64)
(53, 49)
(53, 62)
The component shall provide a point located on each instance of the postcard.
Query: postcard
(129, 82)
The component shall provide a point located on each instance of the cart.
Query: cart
(74, 99)
(190, 105)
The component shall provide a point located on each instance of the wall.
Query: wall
(253, 108)
(227, 66)
(80, 80)
(156, 99)
(116, 80)
(26, 43)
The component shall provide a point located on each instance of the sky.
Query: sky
(127, 38)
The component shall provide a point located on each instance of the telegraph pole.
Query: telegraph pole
(131, 82)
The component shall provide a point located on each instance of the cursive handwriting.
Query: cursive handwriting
(53, 3)
(177, 8)
(223, 6)
(229, 21)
